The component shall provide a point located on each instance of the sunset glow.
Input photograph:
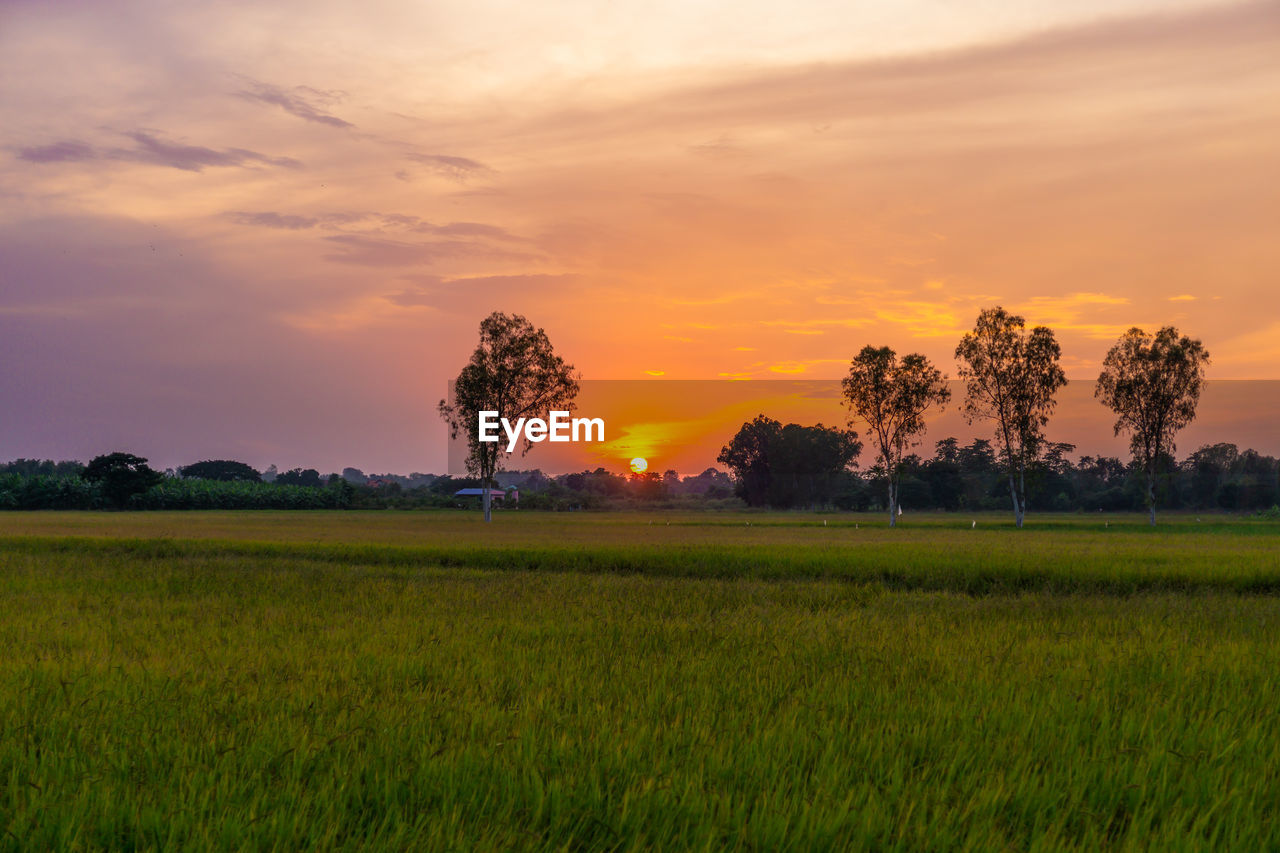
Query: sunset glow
(265, 233)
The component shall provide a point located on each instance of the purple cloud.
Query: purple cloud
(295, 103)
(374, 252)
(152, 149)
(271, 219)
(466, 229)
(193, 158)
(455, 168)
(67, 151)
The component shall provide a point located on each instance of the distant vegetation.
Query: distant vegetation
(1151, 382)
(954, 478)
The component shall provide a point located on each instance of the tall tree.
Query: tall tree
(1152, 383)
(1011, 376)
(122, 476)
(515, 372)
(893, 396)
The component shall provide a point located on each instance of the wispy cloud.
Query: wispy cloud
(67, 151)
(150, 148)
(303, 102)
(193, 158)
(376, 252)
(271, 219)
(450, 166)
(1084, 313)
(397, 223)
(436, 291)
(366, 250)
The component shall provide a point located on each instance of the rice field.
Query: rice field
(629, 682)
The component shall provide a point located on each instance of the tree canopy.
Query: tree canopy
(226, 470)
(515, 372)
(1011, 376)
(122, 475)
(792, 465)
(1153, 384)
(892, 397)
(308, 477)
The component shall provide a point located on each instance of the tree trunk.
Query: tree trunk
(1151, 494)
(893, 505)
(1013, 493)
(1022, 495)
(487, 501)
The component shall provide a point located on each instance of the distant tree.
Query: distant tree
(947, 450)
(784, 466)
(42, 468)
(648, 486)
(447, 485)
(944, 475)
(892, 397)
(515, 372)
(1208, 470)
(747, 457)
(220, 469)
(1011, 376)
(810, 462)
(1055, 457)
(978, 456)
(712, 483)
(344, 490)
(355, 476)
(308, 477)
(1152, 383)
(121, 475)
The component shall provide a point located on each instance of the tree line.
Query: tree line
(1011, 374)
(954, 477)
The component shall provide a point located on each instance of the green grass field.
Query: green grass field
(625, 682)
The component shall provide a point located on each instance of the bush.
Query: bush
(173, 493)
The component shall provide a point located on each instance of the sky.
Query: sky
(268, 231)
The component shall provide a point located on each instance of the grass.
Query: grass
(601, 682)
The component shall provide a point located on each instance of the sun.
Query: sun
(639, 465)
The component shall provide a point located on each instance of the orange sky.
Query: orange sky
(683, 424)
(268, 231)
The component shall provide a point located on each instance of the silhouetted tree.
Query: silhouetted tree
(648, 486)
(947, 450)
(783, 466)
(1011, 376)
(42, 468)
(515, 372)
(712, 483)
(1152, 383)
(225, 470)
(747, 456)
(308, 477)
(892, 396)
(121, 475)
